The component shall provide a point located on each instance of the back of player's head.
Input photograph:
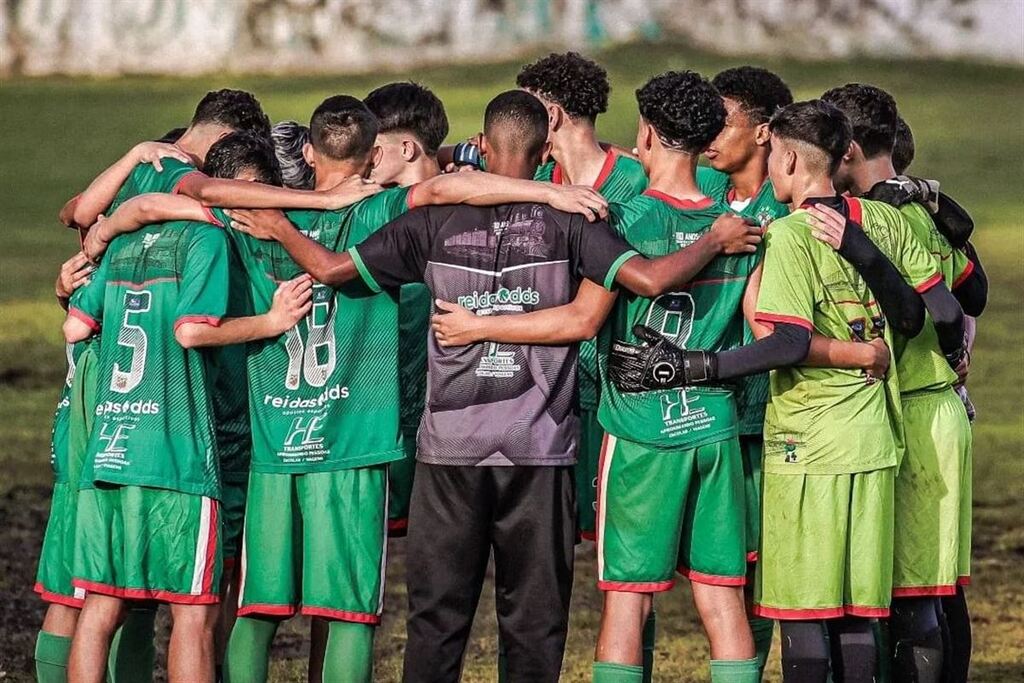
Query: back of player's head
(516, 121)
(573, 82)
(289, 137)
(234, 109)
(903, 150)
(872, 113)
(759, 92)
(817, 124)
(171, 136)
(234, 154)
(684, 108)
(410, 108)
(342, 128)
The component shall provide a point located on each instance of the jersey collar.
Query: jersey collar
(677, 203)
(606, 170)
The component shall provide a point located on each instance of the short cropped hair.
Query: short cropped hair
(411, 108)
(519, 119)
(570, 80)
(816, 123)
(872, 113)
(237, 152)
(234, 109)
(759, 92)
(684, 108)
(343, 128)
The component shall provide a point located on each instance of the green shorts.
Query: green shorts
(140, 543)
(662, 510)
(56, 561)
(932, 541)
(316, 544)
(400, 475)
(826, 545)
(752, 450)
(588, 455)
(232, 508)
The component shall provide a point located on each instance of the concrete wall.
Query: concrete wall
(106, 37)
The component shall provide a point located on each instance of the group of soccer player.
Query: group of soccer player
(288, 342)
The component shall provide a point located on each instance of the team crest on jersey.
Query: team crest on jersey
(150, 239)
(764, 217)
(790, 450)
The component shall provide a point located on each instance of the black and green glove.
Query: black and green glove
(657, 364)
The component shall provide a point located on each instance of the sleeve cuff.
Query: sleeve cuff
(364, 272)
(772, 318)
(923, 287)
(968, 269)
(609, 278)
(78, 313)
(409, 201)
(211, 217)
(211, 320)
(182, 179)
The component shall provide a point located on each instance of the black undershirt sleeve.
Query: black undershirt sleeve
(972, 292)
(948, 319)
(787, 345)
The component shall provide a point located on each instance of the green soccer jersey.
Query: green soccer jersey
(144, 179)
(62, 417)
(621, 178)
(324, 396)
(154, 418)
(829, 420)
(752, 391)
(706, 315)
(920, 361)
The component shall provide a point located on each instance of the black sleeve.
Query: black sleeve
(596, 252)
(900, 303)
(948, 319)
(953, 221)
(972, 291)
(397, 253)
(787, 345)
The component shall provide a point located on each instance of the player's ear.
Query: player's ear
(408, 150)
(545, 152)
(762, 135)
(852, 151)
(647, 136)
(556, 116)
(309, 155)
(790, 162)
(376, 156)
(481, 142)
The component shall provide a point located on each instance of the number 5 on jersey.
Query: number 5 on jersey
(132, 337)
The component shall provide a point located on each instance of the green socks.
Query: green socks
(248, 655)
(132, 652)
(649, 637)
(349, 656)
(607, 672)
(880, 629)
(52, 658)
(762, 630)
(735, 671)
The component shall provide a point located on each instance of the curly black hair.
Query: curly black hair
(817, 123)
(235, 109)
(903, 150)
(343, 128)
(570, 80)
(684, 108)
(240, 151)
(412, 108)
(872, 113)
(759, 92)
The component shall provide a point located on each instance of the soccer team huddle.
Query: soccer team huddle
(287, 343)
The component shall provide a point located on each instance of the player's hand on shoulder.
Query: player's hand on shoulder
(454, 325)
(96, 240)
(263, 224)
(154, 152)
(579, 199)
(293, 299)
(879, 365)
(74, 273)
(735, 235)
(904, 189)
(349, 191)
(827, 225)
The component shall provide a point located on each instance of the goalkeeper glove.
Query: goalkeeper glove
(904, 189)
(657, 364)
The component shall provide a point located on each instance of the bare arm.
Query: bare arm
(575, 321)
(145, 209)
(76, 330)
(101, 192)
(291, 303)
(243, 194)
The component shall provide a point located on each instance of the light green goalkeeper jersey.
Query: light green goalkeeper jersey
(621, 178)
(763, 208)
(707, 314)
(829, 420)
(920, 361)
(154, 422)
(325, 395)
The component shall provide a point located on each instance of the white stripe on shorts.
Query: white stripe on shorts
(202, 543)
(606, 461)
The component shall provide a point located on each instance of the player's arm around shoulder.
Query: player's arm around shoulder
(139, 211)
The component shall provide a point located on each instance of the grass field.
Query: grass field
(58, 133)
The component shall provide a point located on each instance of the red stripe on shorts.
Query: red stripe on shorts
(636, 586)
(923, 591)
(712, 579)
(211, 549)
(341, 615)
(146, 593)
(57, 598)
(269, 610)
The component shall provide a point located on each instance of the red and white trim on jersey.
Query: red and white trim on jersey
(677, 203)
(711, 579)
(610, 157)
(211, 218)
(785, 614)
(75, 601)
(772, 318)
(968, 269)
(935, 279)
(182, 179)
(200, 319)
(206, 548)
(79, 314)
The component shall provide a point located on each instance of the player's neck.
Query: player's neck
(746, 182)
(579, 154)
(194, 144)
(811, 186)
(328, 177)
(674, 174)
(416, 171)
(870, 172)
